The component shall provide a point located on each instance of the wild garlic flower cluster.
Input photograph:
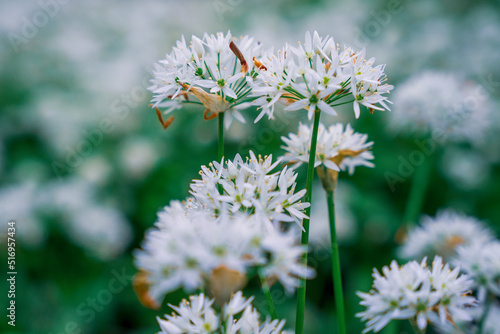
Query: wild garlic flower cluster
(192, 249)
(442, 234)
(481, 261)
(415, 291)
(441, 104)
(250, 186)
(212, 69)
(338, 148)
(318, 75)
(198, 316)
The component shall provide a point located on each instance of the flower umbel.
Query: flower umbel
(338, 148)
(250, 186)
(419, 293)
(318, 75)
(442, 234)
(198, 316)
(191, 248)
(211, 71)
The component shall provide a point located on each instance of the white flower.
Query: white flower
(338, 148)
(210, 71)
(481, 261)
(198, 316)
(441, 235)
(419, 293)
(441, 103)
(249, 186)
(317, 76)
(189, 243)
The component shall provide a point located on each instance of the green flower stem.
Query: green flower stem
(301, 293)
(417, 192)
(221, 136)
(267, 294)
(221, 144)
(337, 277)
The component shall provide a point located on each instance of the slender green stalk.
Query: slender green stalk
(269, 298)
(337, 277)
(301, 293)
(221, 136)
(221, 144)
(417, 192)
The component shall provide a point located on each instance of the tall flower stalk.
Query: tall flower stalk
(317, 76)
(338, 149)
(337, 276)
(221, 137)
(301, 292)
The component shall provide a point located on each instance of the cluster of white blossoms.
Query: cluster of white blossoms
(226, 75)
(212, 69)
(422, 294)
(443, 104)
(318, 75)
(198, 316)
(481, 261)
(250, 186)
(193, 249)
(338, 148)
(442, 234)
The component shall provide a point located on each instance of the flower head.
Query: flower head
(338, 148)
(250, 186)
(441, 103)
(191, 248)
(481, 261)
(414, 291)
(198, 316)
(442, 234)
(317, 75)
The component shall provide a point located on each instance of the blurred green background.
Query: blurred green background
(85, 165)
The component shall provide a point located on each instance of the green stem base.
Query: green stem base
(336, 273)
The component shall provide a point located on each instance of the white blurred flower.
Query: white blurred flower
(98, 228)
(138, 156)
(440, 235)
(249, 186)
(481, 261)
(96, 169)
(317, 75)
(189, 244)
(466, 169)
(443, 104)
(19, 203)
(338, 148)
(198, 316)
(419, 293)
(102, 231)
